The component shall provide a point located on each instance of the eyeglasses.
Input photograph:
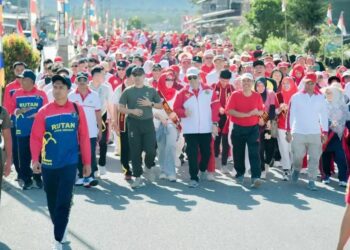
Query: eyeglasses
(156, 70)
(192, 78)
(83, 80)
(75, 66)
(121, 69)
(169, 79)
(208, 58)
(310, 83)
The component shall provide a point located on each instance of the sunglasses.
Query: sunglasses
(169, 79)
(192, 78)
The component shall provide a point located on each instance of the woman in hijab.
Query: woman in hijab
(267, 146)
(167, 127)
(338, 114)
(298, 73)
(288, 89)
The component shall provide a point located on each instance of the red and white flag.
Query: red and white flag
(33, 17)
(106, 24)
(329, 15)
(341, 24)
(19, 28)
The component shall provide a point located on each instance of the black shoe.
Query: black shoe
(38, 183)
(28, 185)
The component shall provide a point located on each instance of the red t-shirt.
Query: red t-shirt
(207, 69)
(347, 197)
(245, 104)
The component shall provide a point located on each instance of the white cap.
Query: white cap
(164, 64)
(193, 71)
(346, 73)
(208, 52)
(247, 76)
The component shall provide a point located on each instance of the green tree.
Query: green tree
(276, 45)
(241, 37)
(307, 14)
(266, 18)
(135, 23)
(312, 45)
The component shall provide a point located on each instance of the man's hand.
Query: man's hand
(324, 138)
(172, 116)
(215, 131)
(254, 112)
(99, 135)
(36, 167)
(7, 169)
(288, 137)
(86, 170)
(137, 112)
(145, 102)
(22, 111)
(222, 111)
(188, 113)
(261, 122)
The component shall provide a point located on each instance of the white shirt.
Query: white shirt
(105, 92)
(91, 103)
(347, 89)
(213, 78)
(307, 114)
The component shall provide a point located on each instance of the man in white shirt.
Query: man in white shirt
(346, 79)
(105, 92)
(214, 75)
(91, 104)
(307, 119)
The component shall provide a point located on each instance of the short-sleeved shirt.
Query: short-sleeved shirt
(105, 92)
(5, 123)
(244, 104)
(91, 104)
(131, 95)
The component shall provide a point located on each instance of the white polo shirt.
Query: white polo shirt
(105, 92)
(90, 103)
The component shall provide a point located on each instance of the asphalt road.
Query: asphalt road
(163, 215)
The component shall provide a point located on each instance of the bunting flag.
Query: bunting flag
(92, 16)
(59, 5)
(341, 24)
(71, 31)
(33, 17)
(66, 9)
(2, 64)
(19, 28)
(84, 33)
(329, 15)
(284, 5)
(106, 24)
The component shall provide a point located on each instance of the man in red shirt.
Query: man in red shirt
(345, 227)
(18, 68)
(244, 108)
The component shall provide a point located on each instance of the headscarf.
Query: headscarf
(168, 93)
(301, 69)
(263, 81)
(338, 111)
(287, 94)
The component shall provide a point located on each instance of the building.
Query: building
(215, 15)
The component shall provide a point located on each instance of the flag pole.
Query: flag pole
(342, 48)
(285, 25)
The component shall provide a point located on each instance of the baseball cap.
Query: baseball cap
(28, 74)
(346, 73)
(65, 80)
(129, 70)
(197, 59)
(19, 63)
(208, 52)
(225, 74)
(247, 76)
(122, 64)
(82, 75)
(219, 57)
(193, 71)
(138, 71)
(310, 77)
(258, 63)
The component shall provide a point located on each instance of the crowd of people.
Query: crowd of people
(165, 99)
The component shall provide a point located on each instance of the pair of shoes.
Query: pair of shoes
(295, 176)
(138, 182)
(343, 184)
(90, 182)
(256, 182)
(28, 185)
(79, 182)
(312, 186)
(193, 184)
(224, 169)
(149, 174)
(240, 179)
(285, 175)
(38, 183)
(326, 180)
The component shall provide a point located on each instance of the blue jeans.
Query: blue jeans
(167, 150)
(58, 185)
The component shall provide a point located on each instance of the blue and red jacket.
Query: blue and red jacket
(34, 99)
(8, 93)
(59, 135)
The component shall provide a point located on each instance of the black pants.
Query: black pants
(25, 158)
(193, 142)
(103, 143)
(125, 152)
(58, 185)
(142, 137)
(267, 150)
(15, 151)
(93, 160)
(242, 136)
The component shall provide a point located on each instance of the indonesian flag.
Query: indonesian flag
(284, 5)
(341, 24)
(84, 31)
(329, 15)
(106, 24)
(19, 28)
(92, 15)
(71, 29)
(33, 17)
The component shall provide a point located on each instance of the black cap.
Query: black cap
(258, 63)
(96, 69)
(197, 59)
(333, 78)
(157, 66)
(137, 71)
(27, 73)
(63, 70)
(82, 75)
(65, 80)
(225, 74)
(129, 70)
(19, 63)
(122, 64)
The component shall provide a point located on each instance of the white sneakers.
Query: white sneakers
(138, 182)
(149, 174)
(79, 182)
(171, 178)
(224, 169)
(210, 176)
(102, 170)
